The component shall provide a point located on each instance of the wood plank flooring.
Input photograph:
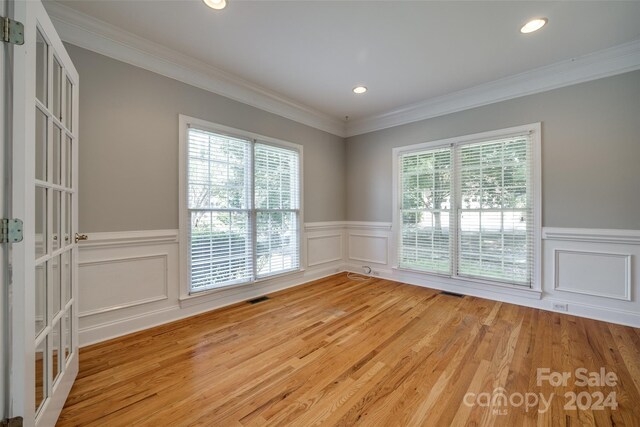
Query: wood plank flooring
(372, 353)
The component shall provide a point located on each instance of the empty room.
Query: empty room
(319, 212)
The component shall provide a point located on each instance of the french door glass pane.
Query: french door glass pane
(56, 105)
(68, 154)
(68, 102)
(41, 222)
(41, 67)
(40, 298)
(276, 242)
(41, 145)
(221, 250)
(68, 345)
(56, 152)
(40, 373)
(68, 218)
(56, 219)
(55, 350)
(55, 282)
(66, 277)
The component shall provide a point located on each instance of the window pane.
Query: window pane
(41, 145)
(221, 250)
(277, 242)
(496, 239)
(425, 179)
(276, 178)
(218, 171)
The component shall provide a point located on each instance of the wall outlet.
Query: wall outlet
(560, 306)
(375, 273)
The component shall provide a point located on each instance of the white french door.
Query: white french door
(43, 307)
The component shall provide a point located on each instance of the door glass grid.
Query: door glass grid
(54, 246)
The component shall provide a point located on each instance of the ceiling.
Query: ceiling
(315, 52)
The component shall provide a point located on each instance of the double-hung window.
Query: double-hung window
(242, 207)
(466, 208)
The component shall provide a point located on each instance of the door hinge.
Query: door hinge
(11, 231)
(12, 31)
(12, 422)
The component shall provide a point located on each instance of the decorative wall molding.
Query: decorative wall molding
(163, 295)
(608, 62)
(611, 296)
(593, 235)
(129, 238)
(90, 33)
(598, 274)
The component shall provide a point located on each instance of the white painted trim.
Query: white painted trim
(604, 63)
(592, 235)
(556, 273)
(129, 238)
(325, 236)
(165, 295)
(327, 225)
(90, 33)
(368, 225)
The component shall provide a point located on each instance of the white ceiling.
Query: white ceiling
(315, 52)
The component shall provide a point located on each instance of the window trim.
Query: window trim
(184, 123)
(535, 129)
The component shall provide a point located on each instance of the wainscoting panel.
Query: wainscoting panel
(593, 273)
(117, 283)
(324, 249)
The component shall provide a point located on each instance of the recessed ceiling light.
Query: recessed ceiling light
(359, 89)
(216, 4)
(533, 25)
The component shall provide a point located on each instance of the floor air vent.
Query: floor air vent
(452, 294)
(257, 300)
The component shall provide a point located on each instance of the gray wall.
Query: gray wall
(590, 153)
(129, 146)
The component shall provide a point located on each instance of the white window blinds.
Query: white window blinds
(496, 210)
(488, 234)
(243, 209)
(277, 209)
(426, 207)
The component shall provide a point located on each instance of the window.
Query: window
(467, 209)
(243, 208)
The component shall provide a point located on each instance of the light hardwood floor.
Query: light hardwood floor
(341, 352)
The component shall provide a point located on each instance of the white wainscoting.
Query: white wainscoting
(593, 272)
(129, 281)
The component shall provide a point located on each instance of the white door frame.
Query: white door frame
(22, 301)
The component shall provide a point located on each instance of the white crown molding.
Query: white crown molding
(592, 235)
(608, 62)
(90, 33)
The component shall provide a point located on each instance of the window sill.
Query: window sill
(208, 295)
(460, 284)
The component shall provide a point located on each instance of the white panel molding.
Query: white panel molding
(608, 62)
(383, 259)
(336, 257)
(90, 33)
(592, 235)
(626, 272)
(133, 303)
(321, 226)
